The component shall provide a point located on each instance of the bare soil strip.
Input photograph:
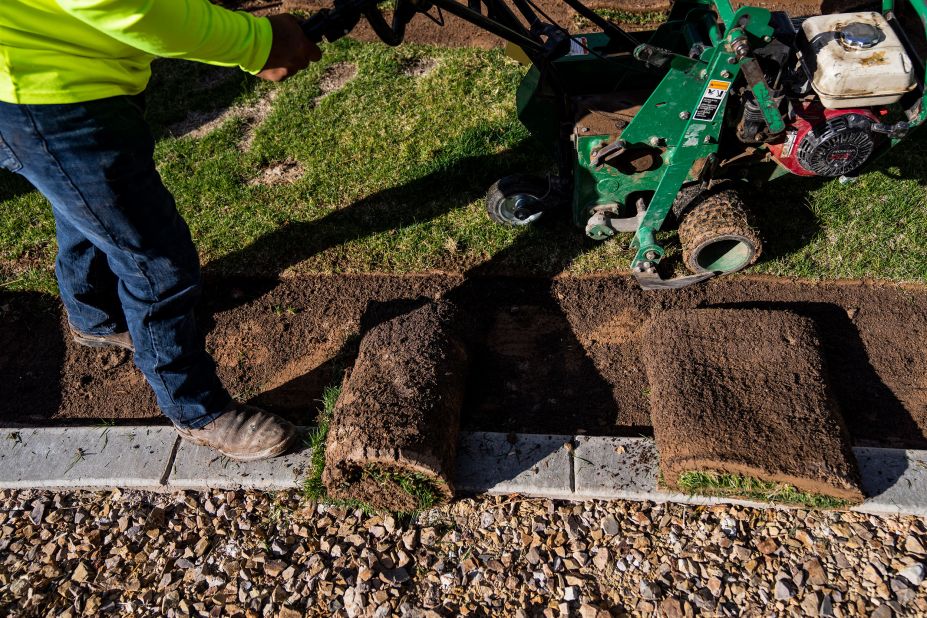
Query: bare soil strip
(745, 392)
(458, 33)
(561, 356)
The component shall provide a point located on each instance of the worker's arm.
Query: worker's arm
(199, 30)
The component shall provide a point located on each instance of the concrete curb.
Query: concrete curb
(549, 466)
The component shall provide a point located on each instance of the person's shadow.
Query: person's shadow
(492, 295)
(13, 185)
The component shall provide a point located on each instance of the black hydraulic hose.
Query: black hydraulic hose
(525, 9)
(499, 12)
(391, 35)
(332, 24)
(477, 19)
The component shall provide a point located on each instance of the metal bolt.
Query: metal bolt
(732, 60)
(655, 141)
(767, 38)
(651, 255)
(726, 74)
(702, 74)
(684, 115)
(708, 139)
(584, 129)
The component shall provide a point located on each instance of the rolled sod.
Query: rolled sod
(393, 434)
(744, 392)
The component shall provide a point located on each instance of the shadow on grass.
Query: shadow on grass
(189, 92)
(448, 188)
(908, 157)
(784, 216)
(13, 185)
(492, 304)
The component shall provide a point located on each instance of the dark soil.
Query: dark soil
(459, 33)
(744, 391)
(561, 356)
(399, 410)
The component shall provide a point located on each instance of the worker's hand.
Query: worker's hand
(290, 52)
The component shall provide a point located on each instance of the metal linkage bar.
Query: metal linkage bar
(513, 31)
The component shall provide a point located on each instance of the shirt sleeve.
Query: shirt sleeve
(189, 29)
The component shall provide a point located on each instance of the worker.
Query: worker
(72, 76)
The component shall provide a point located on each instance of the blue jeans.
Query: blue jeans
(125, 256)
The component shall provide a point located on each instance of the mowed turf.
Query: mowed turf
(387, 171)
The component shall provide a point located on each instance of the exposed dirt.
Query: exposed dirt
(200, 124)
(419, 67)
(744, 391)
(455, 32)
(399, 410)
(337, 76)
(458, 33)
(284, 173)
(551, 357)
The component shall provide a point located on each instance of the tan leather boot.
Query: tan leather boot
(244, 433)
(116, 340)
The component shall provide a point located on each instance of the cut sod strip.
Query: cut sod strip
(741, 407)
(419, 486)
(392, 437)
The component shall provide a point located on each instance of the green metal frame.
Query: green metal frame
(920, 7)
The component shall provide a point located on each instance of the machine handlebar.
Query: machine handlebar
(332, 24)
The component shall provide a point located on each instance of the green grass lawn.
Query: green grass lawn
(393, 169)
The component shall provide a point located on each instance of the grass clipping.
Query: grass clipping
(750, 488)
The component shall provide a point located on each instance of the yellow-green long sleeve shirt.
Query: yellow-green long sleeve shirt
(71, 51)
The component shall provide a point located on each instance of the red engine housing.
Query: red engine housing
(811, 119)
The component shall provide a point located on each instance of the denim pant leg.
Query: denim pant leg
(87, 285)
(93, 161)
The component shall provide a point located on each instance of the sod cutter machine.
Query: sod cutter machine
(661, 128)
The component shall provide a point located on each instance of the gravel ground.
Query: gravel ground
(260, 554)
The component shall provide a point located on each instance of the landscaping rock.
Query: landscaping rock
(785, 590)
(743, 391)
(336, 566)
(914, 573)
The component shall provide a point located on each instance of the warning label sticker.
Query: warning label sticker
(578, 46)
(789, 143)
(711, 100)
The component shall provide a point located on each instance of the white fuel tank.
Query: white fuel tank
(857, 60)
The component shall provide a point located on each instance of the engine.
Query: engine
(827, 142)
(838, 76)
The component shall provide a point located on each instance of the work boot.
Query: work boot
(115, 340)
(244, 433)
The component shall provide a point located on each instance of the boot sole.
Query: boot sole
(268, 453)
(96, 343)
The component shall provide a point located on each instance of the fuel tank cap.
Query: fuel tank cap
(859, 35)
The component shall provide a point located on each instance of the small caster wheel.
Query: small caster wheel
(716, 235)
(518, 200)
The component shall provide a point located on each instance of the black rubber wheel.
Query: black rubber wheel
(517, 200)
(717, 236)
